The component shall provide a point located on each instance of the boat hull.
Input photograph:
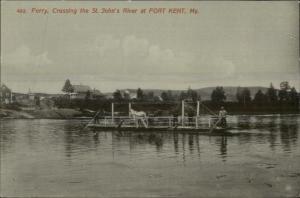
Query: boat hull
(217, 131)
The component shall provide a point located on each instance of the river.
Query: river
(43, 157)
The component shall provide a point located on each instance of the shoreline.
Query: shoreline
(41, 114)
(70, 114)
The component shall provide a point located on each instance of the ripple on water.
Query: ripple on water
(71, 160)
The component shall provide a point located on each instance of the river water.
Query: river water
(59, 158)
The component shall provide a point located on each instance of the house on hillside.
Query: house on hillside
(81, 92)
(129, 94)
(29, 99)
(6, 96)
(31, 96)
(21, 97)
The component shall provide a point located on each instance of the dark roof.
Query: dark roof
(4, 88)
(81, 88)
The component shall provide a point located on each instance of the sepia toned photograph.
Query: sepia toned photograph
(149, 99)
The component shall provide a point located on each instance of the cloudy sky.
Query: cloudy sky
(227, 43)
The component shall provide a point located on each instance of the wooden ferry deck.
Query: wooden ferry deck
(155, 124)
(139, 121)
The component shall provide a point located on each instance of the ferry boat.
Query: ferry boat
(139, 121)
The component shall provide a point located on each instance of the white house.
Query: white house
(80, 92)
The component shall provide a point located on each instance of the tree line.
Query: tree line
(165, 96)
(270, 100)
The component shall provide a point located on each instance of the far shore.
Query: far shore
(42, 114)
(68, 113)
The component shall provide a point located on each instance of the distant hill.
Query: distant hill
(205, 93)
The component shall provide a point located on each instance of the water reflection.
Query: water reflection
(274, 131)
(256, 130)
(180, 144)
(77, 140)
(269, 130)
(175, 138)
(191, 143)
(36, 154)
(139, 138)
(96, 138)
(288, 132)
(223, 148)
(183, 148)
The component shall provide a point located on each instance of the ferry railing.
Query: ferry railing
(161, 121)
(212, 121)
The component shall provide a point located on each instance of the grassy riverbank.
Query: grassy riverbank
(41, 114)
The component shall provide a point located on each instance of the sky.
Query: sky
(242, 43)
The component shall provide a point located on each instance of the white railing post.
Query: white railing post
(129, 108)
(112, 113)
(147, 121)
(182, 113)
(197, 116)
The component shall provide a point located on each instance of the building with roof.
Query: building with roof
(129, 94)
(6, 95)
(82, 91)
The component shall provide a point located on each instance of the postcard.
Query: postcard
(149, 99)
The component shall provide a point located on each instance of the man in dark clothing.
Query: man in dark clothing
(222, 116)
